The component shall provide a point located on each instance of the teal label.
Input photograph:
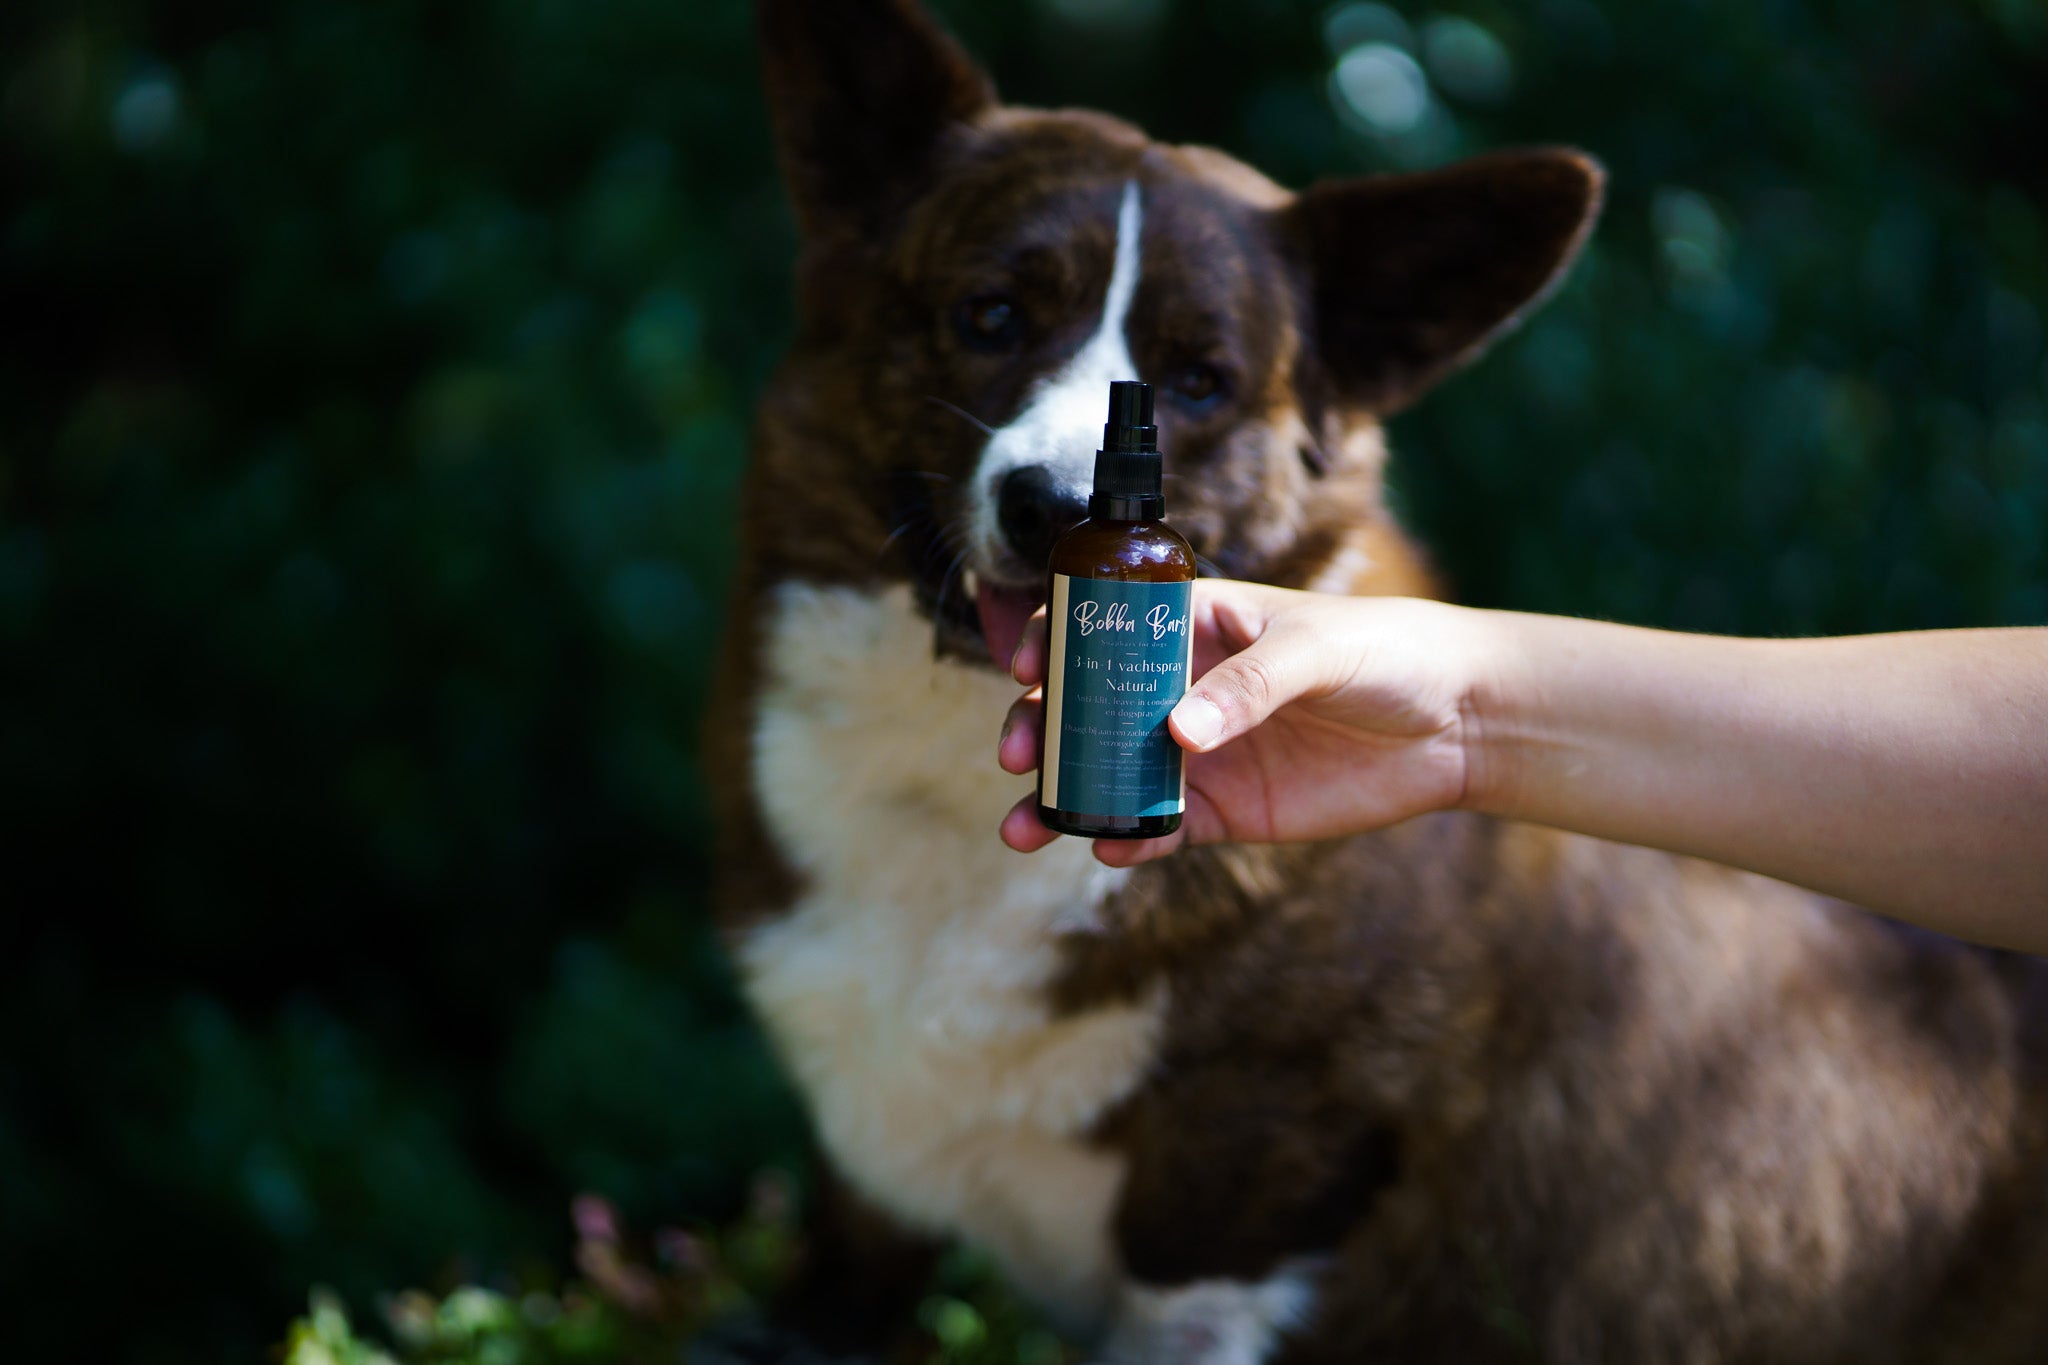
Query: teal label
(1120, 658)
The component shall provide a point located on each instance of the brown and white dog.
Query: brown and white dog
(1460, 1090)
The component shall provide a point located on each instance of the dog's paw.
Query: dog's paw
(1210, 1322)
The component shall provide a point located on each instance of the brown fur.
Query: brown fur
(1534, 1096)
(1611, 1106)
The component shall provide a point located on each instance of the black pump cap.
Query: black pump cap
(1130, 418)
(1128, 475)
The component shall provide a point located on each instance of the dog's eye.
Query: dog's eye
(1197, 385)
(989, 322)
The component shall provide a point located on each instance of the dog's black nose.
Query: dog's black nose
(1034, 508)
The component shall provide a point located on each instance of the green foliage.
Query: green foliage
(624, 1308)
(378, 389)
(629, 1308)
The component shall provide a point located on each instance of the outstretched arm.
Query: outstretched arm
(1908, 772)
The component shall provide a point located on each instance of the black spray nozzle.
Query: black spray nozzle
(1127, 469)
(1130, 417)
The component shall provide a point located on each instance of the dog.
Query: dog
(1461, 1090)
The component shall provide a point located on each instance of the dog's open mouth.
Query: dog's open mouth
(973, 615)
(974, 618)
(1004, 610)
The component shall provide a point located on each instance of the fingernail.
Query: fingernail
(1198, 720)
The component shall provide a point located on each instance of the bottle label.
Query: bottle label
(1120, 654)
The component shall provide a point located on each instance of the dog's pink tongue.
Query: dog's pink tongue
(1003, 614)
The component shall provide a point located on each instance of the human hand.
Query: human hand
(1312, 716)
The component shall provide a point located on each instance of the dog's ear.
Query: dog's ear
(1410, 276)
(860, 93)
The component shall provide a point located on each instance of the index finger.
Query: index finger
(1027, 665)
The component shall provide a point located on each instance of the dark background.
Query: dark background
(375, 387)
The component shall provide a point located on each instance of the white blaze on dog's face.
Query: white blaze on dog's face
(1036, 472)
(1063, 417)
(1058, 265)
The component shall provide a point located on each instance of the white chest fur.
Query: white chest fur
(905, 989)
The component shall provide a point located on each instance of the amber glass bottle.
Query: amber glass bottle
(1120, 645)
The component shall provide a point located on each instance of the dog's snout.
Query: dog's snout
(1033, 508)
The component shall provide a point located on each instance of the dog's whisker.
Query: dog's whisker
(946, 581)
(955, 534)
(957, 530)
(956, 409)
(894, 536)
(952, 568)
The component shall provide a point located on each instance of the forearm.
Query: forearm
(1908, 773)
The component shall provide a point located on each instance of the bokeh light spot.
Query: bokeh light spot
(1355, 25)
(145, 113)
(1383, 86)
(1467, 60)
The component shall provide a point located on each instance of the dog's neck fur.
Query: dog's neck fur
(965, 1020)
(907, 986)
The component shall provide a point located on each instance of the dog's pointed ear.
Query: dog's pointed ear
(1410, 276)
(860, 93)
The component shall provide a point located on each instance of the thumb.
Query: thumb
(1237, 695)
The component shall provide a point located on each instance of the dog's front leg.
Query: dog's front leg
(1240, 1190)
